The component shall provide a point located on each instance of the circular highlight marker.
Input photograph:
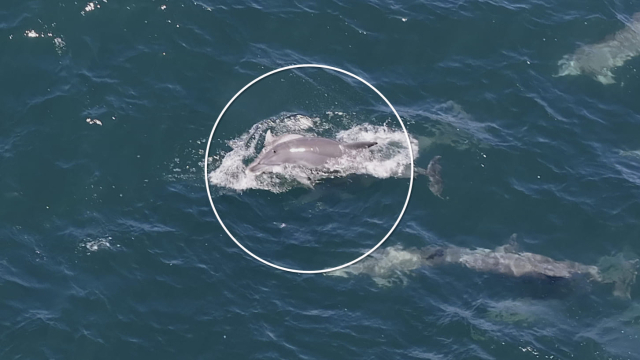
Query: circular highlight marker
(206, 175)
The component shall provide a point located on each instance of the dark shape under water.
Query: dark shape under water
(435, 179)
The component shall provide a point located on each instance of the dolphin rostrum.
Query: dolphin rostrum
(312, 152)
(599, 59)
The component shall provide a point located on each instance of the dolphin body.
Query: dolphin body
(312, 152)
(505, 260)
(599, 59)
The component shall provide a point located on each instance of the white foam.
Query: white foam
(97, 244)
(390, 265)
(389, 158)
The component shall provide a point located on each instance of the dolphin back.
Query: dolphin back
(359, 145)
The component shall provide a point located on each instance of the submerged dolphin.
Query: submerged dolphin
(295, 149)
(599, 59)
(506, 260)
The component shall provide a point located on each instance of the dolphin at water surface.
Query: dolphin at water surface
(507, 260)
(312, 152)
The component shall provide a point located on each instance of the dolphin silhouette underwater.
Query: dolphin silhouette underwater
(506, 260)
(311, 152)
(599, 59)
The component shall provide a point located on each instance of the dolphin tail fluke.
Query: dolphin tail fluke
(619, 271)
(359, 145)
(622, 284)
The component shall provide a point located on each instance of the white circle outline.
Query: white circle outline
(206, 176)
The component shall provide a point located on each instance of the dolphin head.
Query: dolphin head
(267, 157)
(264, 162)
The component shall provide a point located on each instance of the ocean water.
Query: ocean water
(109, 246)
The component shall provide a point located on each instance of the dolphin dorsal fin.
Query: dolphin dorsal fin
(511, 246)
(268, 139)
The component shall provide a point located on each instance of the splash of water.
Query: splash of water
(387, 266)
(389, 158)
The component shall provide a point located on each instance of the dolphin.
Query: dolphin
(599, 59)
(506, 260)
(311, 152)
(509, 260)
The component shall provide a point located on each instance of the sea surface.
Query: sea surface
(109, 245)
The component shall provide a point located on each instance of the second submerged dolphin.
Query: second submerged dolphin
(295, 149)
(599, 59)
(506, 260)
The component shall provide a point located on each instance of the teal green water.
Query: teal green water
(109, 247)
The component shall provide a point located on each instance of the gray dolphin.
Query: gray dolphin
(506, 260)
(599, 59)
(312, 152)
